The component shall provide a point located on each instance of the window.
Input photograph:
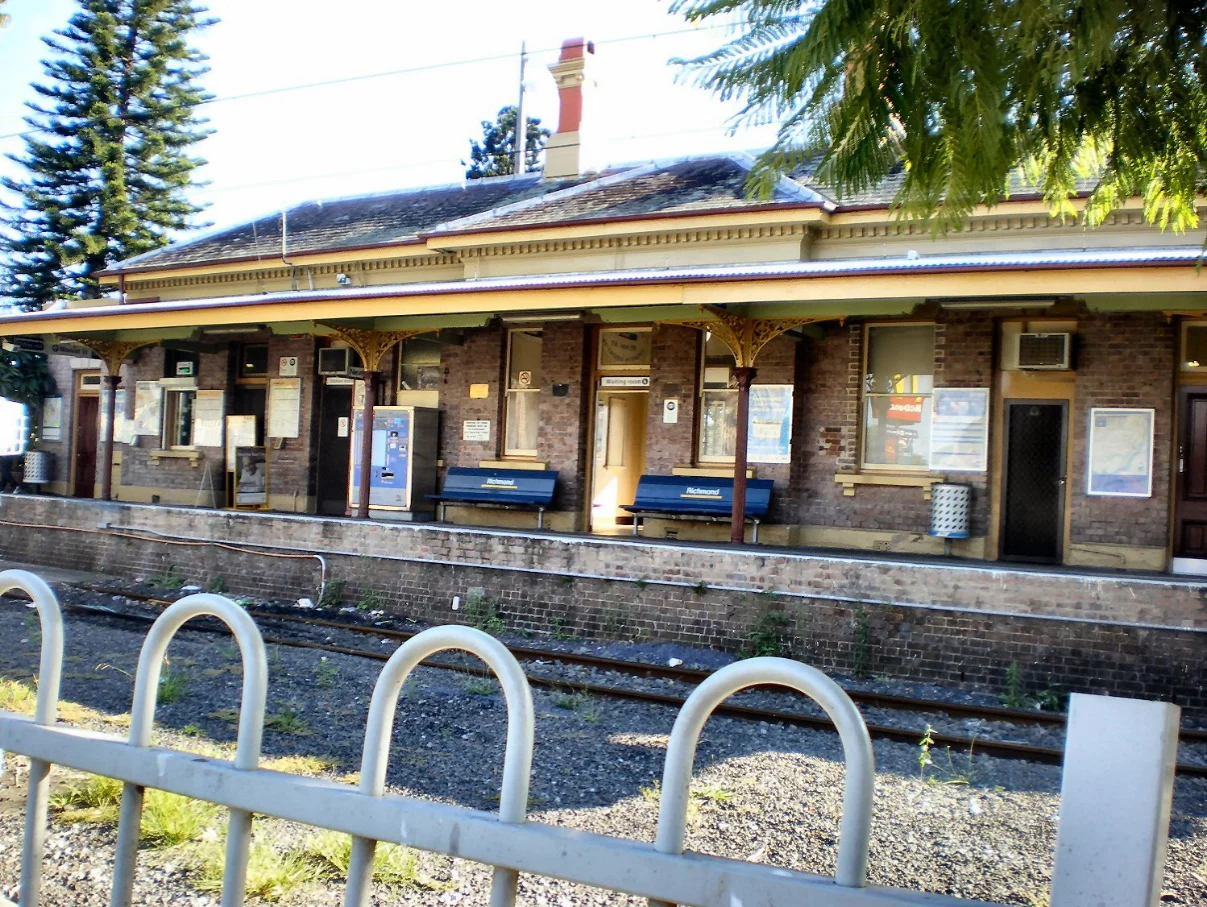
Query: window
(253, 360)
(419, 365)
(178, 418)
(522, 416)
(898, 380)
(1194, 347)
(769, 423)
(14, 428)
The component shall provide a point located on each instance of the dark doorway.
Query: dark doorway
(1033, 498)
(1190, 533)
(87, 409)
(334, 441)
(250, 400)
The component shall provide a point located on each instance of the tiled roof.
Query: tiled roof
(712, 183)
(348, 223)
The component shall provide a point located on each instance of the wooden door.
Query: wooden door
(619, 455)
(334, 450)
(87, 410)
(1190, 507)
(1034, 491)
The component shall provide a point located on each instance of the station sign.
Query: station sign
(625, 381)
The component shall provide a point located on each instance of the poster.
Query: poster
(770, 434)
(208, 412)
(52, 419)
(123, 425)
(959, 429)
(251, 477)
(284, 407)
(1121, 453)
(475, 430)
(240, 432)
(148, 406)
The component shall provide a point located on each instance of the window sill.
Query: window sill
(850, 481)
(193, 456)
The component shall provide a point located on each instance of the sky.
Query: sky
(373, 132)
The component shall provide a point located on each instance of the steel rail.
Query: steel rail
(999, 749)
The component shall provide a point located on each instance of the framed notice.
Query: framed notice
(208, 413)
(284, 407)
(1120, 453)
(251, 477)
(148, 407)
(959, 429)
(240, 432)
(52, 418)
(770, 426)
(475, 430)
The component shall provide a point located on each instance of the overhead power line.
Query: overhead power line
(410, 70)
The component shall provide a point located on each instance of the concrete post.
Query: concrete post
(1115, 800)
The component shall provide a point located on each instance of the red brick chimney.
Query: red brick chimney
(572, 72)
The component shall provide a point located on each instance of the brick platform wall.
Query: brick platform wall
(925, 621)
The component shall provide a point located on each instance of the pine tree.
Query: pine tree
(967, 97)
(108, 162)
(495, 155)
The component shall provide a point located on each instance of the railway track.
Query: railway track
(1000, 749)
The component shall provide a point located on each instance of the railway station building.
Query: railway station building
(598, 323)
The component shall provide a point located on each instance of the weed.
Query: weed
(589, 709)
(925, 760)
(557, 629)
(271, 874)
(712, 793)
(483, 614)
(217, 585)
(370, 601)
(230, 652)
(230, 716)
(1049, 699)
(861, 656)
(653, 793)
(481, 687)
(276, 661)
(568, 580)
(167, 819)
(191, 730)
(641, 582)
(172, 687)
(169, 580)
(333, 593)
(325, 674)
(768, 636)
(17, 697)
(700, 588)
(1015, 696)
(287, 721)
(330, 852)
(568, 701)
(307, 766)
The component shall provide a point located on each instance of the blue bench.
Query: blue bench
(695, 498)
(506, 488)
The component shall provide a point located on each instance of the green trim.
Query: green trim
(1147, 302)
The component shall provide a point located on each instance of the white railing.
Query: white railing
(1110, 849)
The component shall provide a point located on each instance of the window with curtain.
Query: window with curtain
(898, 381)
(522, 413)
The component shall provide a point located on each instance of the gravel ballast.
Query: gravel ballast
(978, 828)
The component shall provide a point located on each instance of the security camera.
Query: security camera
(343, 279)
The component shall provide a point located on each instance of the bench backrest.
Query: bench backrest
(500, 486)
(692, 494)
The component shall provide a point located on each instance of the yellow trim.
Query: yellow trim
(828, 290)
(851, 480)
(532, 465)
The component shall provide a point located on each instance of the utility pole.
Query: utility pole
(521, 125)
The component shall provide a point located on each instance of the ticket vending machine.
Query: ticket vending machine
(403, 466)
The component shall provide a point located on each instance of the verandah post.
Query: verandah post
(737, 533)
(366, 445)
(105, 466)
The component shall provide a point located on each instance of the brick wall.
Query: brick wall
(1124, 361)
(563, 433)
(292, 467)
(674, 363)
(478, 360)
(954, 624)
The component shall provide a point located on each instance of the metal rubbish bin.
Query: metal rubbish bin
(37, 467)
(950, 510)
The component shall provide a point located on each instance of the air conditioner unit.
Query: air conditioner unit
(1045, 351)
(334, 361)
